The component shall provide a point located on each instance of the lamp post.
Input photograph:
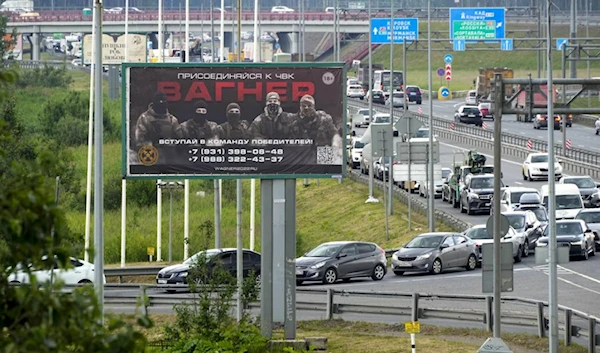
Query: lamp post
(170, 185)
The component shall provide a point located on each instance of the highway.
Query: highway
(580, 136)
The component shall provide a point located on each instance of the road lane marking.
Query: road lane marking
(571, 272)
(580, 274)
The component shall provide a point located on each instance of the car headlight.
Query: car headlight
(182, 274)
(541, 244)
(580, 242)
(394, 256)
(318, 264)
(596, 195)
(472, 196)
(536, 169)
(424, 256)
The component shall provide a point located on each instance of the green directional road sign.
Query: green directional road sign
(474, 30)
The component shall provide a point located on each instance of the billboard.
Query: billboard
(113, 48)
(240, 120)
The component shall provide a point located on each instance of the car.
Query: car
(437, 192)
(414, 94)
(377, 96)
(486, 110)
(79, 272)
(471, 97)
(541, 121)
(226, 258)
(477, 193)
(76, 62)
(382, 168)
(332, 261)
(422, 132)
(573, 233)
(536, 166)
(447, 189)
(362, 118)
(538, 209)
(511, 197)
(355, 153)
(568, 201)
(397, 100)
(469, 114)
(384, 118)
(352, 81)
(526, 224)
(281, 9)
(479, 235)
(435, 252)
(355, 91)
(588, 189)
(114, 10)
(591, 217)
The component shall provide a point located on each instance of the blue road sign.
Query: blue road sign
(445, 91)
(506, 44)
(448, 58)
(560, 42)
(440, 72)
(483, 23)
(404, 28)
(459, 45)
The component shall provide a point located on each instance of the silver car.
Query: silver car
(479, 235)
(434, 252)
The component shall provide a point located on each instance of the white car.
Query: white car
(424, 189)
(471, 98)
(362, 118)
(511, 197)
(536, 166)
(281, 9)
(355, 91)
(397, 100)
(80, 273)
(480, 236)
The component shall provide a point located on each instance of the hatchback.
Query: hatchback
(469, 114)
(343, 260)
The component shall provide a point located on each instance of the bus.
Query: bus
(381, 80)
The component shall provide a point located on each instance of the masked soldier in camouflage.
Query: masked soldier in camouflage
(234, 128)
(314, 124)
(197, 126)
(157, 123)
(273, 122)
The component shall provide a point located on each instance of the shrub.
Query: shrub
(46, 76)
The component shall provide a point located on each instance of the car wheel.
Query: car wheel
(84, 281)
(330, 276)
(398, 273)
(526, 249)
(298, 282)
(443, 197)
(436, 267)
(258, 279)
(378, 273)
(519, 256)
(586, 254)
(471, 262)
(529, 175)
(418, 102)
(469, 211)
(462, 208)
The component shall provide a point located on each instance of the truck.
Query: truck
(531, 98)
(363, 74)
(483, 82)
(473, 163)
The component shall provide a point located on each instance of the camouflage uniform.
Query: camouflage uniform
(192, 129)
(273, 122)
(230, 131)
(320, 128)
(151, 127)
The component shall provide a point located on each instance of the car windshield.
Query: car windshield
(412, 89)
(325, 250)
(582, 183)
(589, 217)
(566, 202)
(208, 254)
(358, 144)
(398, 95)
(422, 133)
(516, 221)
(428, 242)
(542, 158)
(540, 214)
(566, 228)
(478, 233)
(482, 183)
(366, 112)
(471, 110)
(382, 119)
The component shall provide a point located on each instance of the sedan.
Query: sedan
(469, 115)
(479, 235)
(376, 95)
(572, 233)
(541, 121)
(80, 272)
(591, 217)
(434, 252)
(536, 166)
(332, 261)
(226, 258)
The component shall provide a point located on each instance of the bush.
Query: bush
(47, 76)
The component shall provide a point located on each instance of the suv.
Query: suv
(477, 193)
(413, 94)
(469, 114)
(456, 181)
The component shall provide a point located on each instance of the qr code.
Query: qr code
(326, 155)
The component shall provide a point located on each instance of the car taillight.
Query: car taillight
(419, 91)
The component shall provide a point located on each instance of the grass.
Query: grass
(360, 337)
(466, 63)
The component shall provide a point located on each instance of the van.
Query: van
(568, 200)
(471, 98)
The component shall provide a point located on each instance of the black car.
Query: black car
(469, 115)
(413, 94)
(226, 258)
(477, 193)
(344, 260)
(572, 233)
(377, 96)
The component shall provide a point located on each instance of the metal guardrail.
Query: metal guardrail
(34, 64)
(476, 309)
(577, 160)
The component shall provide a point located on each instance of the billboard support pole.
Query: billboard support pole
(240, 250)
(99, 166)
(431, 185)
(158, 221)
(266, 259)
(186, 218)
(390, 209)
(371, 198)
(123, 221)
(90, 151)
(252, 211)
(217, 187)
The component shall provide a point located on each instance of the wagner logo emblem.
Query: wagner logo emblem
(328, 78)
(148, 155)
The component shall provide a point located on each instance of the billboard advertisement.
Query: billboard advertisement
(239, 120)
(113, 48)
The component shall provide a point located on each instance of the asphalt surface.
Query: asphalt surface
(580, 136)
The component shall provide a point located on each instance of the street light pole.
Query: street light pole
(431, 186)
